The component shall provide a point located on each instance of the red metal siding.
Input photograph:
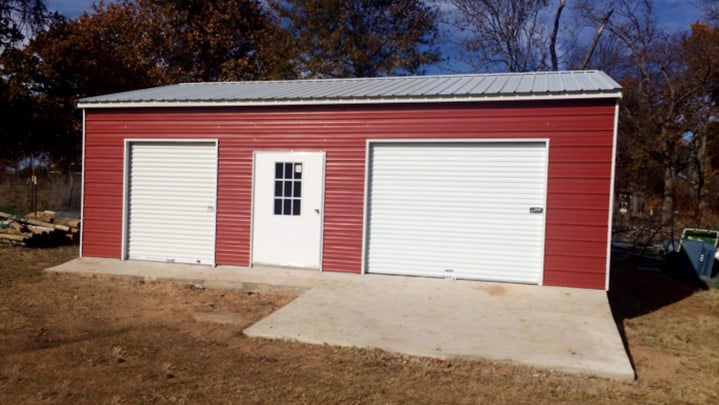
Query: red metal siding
(580, 151)
(102, 211)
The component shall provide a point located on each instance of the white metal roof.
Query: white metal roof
(403, 89)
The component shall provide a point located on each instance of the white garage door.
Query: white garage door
(460, 210)
(171, 201)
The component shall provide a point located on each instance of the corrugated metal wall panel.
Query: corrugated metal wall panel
(459, 210)
(171, 201)
(342, 133)
(575, 279)
(102, 222)
(234, 199)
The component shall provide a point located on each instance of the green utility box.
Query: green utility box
(699, 246)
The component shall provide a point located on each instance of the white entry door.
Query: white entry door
(287, 208)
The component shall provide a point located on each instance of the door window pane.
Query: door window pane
(288, 188)
(287, 207)
(289, 167)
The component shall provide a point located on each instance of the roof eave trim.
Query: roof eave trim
(388, 100)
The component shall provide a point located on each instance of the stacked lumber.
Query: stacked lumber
(41, 229)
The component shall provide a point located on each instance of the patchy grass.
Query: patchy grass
(673, 333)
(18, 262)
(85, 339)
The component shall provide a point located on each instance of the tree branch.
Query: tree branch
(595, 40)
(553, 39)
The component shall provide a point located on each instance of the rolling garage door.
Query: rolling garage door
(171, 201)
(459, 210)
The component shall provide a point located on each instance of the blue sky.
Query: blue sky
(69, 8)
(674, 14)
(677, 15)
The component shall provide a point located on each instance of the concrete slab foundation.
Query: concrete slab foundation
(563, 329)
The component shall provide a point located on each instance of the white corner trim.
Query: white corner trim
(365, 210)
(540, 282)
(125, 196)
(82, 186)
(611, 196)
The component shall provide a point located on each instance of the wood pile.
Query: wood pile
(41, 229)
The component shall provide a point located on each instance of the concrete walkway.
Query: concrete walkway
(562, 329)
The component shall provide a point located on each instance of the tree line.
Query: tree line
(668, 132)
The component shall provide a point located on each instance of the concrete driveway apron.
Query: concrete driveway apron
(563, 329)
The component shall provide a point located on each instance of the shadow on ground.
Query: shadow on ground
(639, 286)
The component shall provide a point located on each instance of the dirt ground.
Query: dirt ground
(85, 339)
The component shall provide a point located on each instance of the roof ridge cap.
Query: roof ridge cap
(390, 78)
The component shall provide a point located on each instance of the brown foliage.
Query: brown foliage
(666, 116)
(197, 40)
(359, 38)
(126, 46)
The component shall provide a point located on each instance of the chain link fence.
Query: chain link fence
(23, 193)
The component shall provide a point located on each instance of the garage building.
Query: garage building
(500, 177)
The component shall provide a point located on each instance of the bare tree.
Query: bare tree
(18, 18)
(522, 35)
(595, 39)
(504, 35)
(711, 10)
(553, 38)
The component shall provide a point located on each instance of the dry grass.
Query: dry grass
(17, 263)
(80, 339)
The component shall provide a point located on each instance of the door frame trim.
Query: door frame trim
(128, 142)
(323, 173)
(368, 163)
